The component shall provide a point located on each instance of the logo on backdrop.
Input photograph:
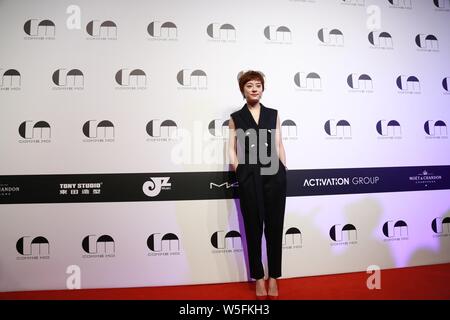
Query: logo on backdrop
(226, 242)
(442, 5)
(289, 130)
(11, 80)
(98, 247)
(196, 79)
(395, 230)
(166, 130)
(292, 239)
(435, 129)
(131, 79)
(446, 85)
(381, 40)
(155, 185)
(338, 129)
(359, 3)
(308, 81)
(441, 227)
(389, 129)
(331, 37)
(35, 132)
(221, 32)
(225, 185)
(425, 178)
(98, 30)
(346, 235)
(408, 84)
(278, 34)
(98, 131)
(37, 29)
(163, 245)
(162, 31)
(6, 190)
(218, 128)
(340, 181)
(33, 248)
(361, 83)
(83, 188)
(68, 80)
(427, 42)
(400, 4)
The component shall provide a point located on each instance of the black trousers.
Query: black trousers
(263, 201)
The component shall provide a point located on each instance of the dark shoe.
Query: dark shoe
(261, 297)
(272, 297)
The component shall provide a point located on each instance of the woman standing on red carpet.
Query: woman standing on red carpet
(254, 132)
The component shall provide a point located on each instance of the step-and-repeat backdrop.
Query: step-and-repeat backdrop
(114, 124)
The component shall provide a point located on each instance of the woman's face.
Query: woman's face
(253, 91)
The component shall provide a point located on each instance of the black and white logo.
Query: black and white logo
(425, 178)
(196, 79)
(289, 130)
(331, 37)
(80, 188)
(361, 83)
(6, 190)
(98, 247)
(162, 30)
(389, 129)
(33, 248)
(225, 185)
(400, 4)
(226, 241)
(165, 130)
(102, 30)
(427, 42)
(340, 129)
(35, 132)
(441, 226)
(292, 238)
(343, 235)
(446, 85)
(163, 244)
(278, 34)
(320, 182)
(155, 185)
(395, 230)
(65, 79)
(308, 81)
(435, 129)
(131, 79)
(408, 84)
(11, 80)
(218, 128)
(442, 5)
(221, 32)
(381, 40)
(98, 131)
(37, 29)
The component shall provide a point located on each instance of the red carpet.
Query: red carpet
(425, 282)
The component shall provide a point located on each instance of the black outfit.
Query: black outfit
(262, 197)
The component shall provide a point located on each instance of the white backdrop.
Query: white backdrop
(179, 62)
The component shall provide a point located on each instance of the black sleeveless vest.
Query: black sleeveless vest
(255, 136)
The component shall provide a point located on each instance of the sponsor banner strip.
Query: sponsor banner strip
(122, 187)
